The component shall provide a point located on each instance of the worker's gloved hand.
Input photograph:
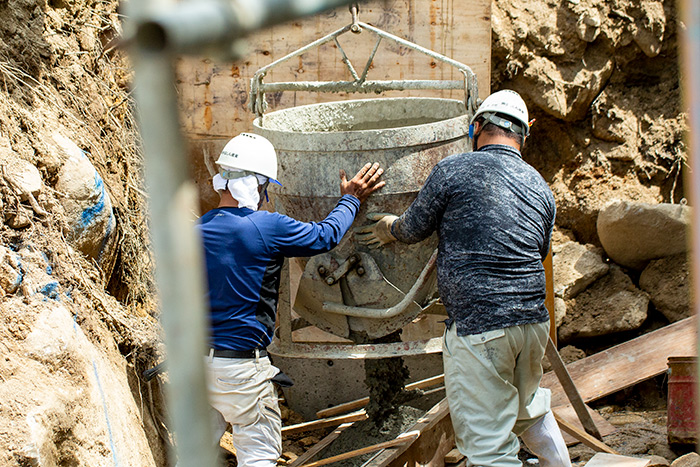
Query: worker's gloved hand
(379, 233)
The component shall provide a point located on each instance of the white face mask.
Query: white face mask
(243, 189)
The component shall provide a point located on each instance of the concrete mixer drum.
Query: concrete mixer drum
(352, 291)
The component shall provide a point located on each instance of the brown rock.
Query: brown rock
(613, 304)
(23, 176)
(545, 82)
(633, 234)
(692, 459)
(559, 311)
(570, 354)
(667, 281)
(289, 456)
(575, 267)
(658, 461)
(309, 441)
(19, 220)
(613, 119)
(649, 32)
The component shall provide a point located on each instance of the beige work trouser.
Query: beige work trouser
(492, 384)
(242, 394)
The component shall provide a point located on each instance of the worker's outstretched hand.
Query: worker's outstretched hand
(364, 183)
(376, 234)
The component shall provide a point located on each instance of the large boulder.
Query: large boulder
(692, 459)
(667, 281)
(564, 91)
(77, 394)
(612, 304)
(633, 234)
(576, 266)
(91, 224)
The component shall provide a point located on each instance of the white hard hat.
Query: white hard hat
(507, 103)
(249, 153)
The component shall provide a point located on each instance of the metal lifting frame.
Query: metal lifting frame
(258, 88)
(158, 32)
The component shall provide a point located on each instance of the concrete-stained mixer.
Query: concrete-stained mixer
(364, 296)
(350, 289)
(355, 292)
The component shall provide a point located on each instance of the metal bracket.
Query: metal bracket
(354, 295)
(355, 11)
(359, 83)
(353, 262)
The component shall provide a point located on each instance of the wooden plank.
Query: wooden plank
(404, 438)
(356, 404)
(610, 460)
(582, 436)
(320, 446)
(571, 391)
(436, 439)
(453, 456)
(430, 449)
(549, 294)
(324, 423)
(626, 364)
(568, 413)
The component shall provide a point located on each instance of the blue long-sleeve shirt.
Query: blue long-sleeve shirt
(244, 252)
(494, 215)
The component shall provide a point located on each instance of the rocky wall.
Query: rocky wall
(77, 306)
(601, 79)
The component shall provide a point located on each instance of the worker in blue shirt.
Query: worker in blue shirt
(244, 250)
(494, 216)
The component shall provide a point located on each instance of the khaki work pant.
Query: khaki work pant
(241, 393)
(492, 384)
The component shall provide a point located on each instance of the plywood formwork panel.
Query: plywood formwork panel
(214, 95)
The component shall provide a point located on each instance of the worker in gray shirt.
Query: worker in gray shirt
(494, 216)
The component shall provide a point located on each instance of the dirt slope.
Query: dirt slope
(74, 330)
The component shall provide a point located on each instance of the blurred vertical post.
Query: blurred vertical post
(160, 30)
(172, 202)
(179, 272)
(690, 79)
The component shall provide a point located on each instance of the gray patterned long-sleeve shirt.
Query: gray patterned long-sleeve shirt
(494, 215)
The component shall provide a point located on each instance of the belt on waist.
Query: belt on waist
(221, 353)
